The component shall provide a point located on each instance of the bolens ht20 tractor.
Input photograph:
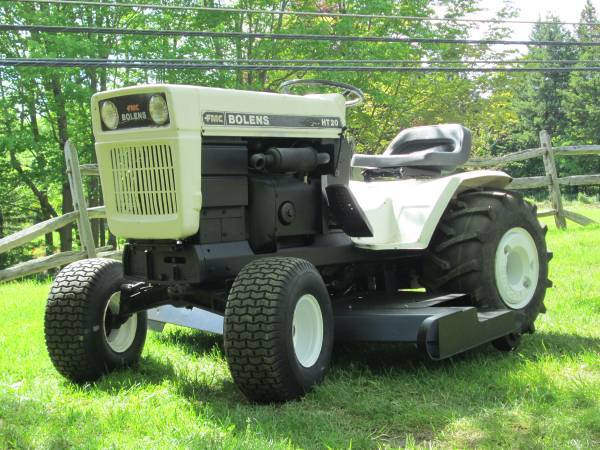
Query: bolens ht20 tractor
(242, 205)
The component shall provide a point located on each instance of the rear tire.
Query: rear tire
(81, 343)
(278, 329)
(489, 244)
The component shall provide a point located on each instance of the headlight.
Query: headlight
(159, 113)
(110, 115)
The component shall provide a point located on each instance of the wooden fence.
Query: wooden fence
(82, 214)
(551, 180)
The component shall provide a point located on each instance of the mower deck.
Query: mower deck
(437, 325)
(438, 328)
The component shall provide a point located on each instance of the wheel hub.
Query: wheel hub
(517, 268)
(118, 338)
(307, 330)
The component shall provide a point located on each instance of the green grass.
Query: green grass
(546, 395)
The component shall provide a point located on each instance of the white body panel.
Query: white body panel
(151, 175)
(187, 103)
(405, 213)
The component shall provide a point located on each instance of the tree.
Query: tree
(581, 102)
(583, 90)
(535, 101)
(540, 103)
(43, 107)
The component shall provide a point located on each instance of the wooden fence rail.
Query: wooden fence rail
(50, 262)
(39, 229)
(522, 155)
(551, 180)
(82, 214)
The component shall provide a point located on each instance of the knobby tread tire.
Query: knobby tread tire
(463, 248)
(257, 330)
(71, 322)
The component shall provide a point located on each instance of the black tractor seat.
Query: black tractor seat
(437, 147)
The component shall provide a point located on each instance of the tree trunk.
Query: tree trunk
(42, 197)
(102, 232)
(46, 209)
(93, 182)
(112, 240)
(94, 201)
(238, 50)
(2, 255)
(66, 233)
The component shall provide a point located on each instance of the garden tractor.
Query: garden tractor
(248, 213)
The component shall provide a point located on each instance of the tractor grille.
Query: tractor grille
(144, 180)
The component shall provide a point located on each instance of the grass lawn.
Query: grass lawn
(545, 395)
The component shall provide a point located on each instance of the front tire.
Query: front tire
(278, 329)
(489, 244)
(82, 341)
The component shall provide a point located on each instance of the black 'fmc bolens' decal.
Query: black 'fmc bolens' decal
(219, 118)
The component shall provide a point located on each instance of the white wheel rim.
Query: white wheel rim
(517, 268)
(307, 330)
(118, 339)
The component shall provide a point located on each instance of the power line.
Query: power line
(389, 61)
(380, 61)
(274, 36)
(58, 62)
(329, 61)
(297, 13)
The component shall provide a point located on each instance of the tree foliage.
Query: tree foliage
(40, 108)
(561, 103)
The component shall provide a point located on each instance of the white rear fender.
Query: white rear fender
(404, 214)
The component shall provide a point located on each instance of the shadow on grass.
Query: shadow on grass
(367, 383)
(153, 369)
(392, 357)
(196, 343)
(552, 343)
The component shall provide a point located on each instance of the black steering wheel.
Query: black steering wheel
(353, 95)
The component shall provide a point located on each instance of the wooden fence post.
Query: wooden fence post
(553, 186)
(79, 203)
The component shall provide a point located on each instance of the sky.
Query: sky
(566, 10)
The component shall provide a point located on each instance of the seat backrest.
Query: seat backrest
(437, 147)
(445, 138)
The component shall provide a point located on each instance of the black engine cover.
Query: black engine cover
(282, 206)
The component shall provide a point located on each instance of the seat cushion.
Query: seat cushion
(442, 147)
